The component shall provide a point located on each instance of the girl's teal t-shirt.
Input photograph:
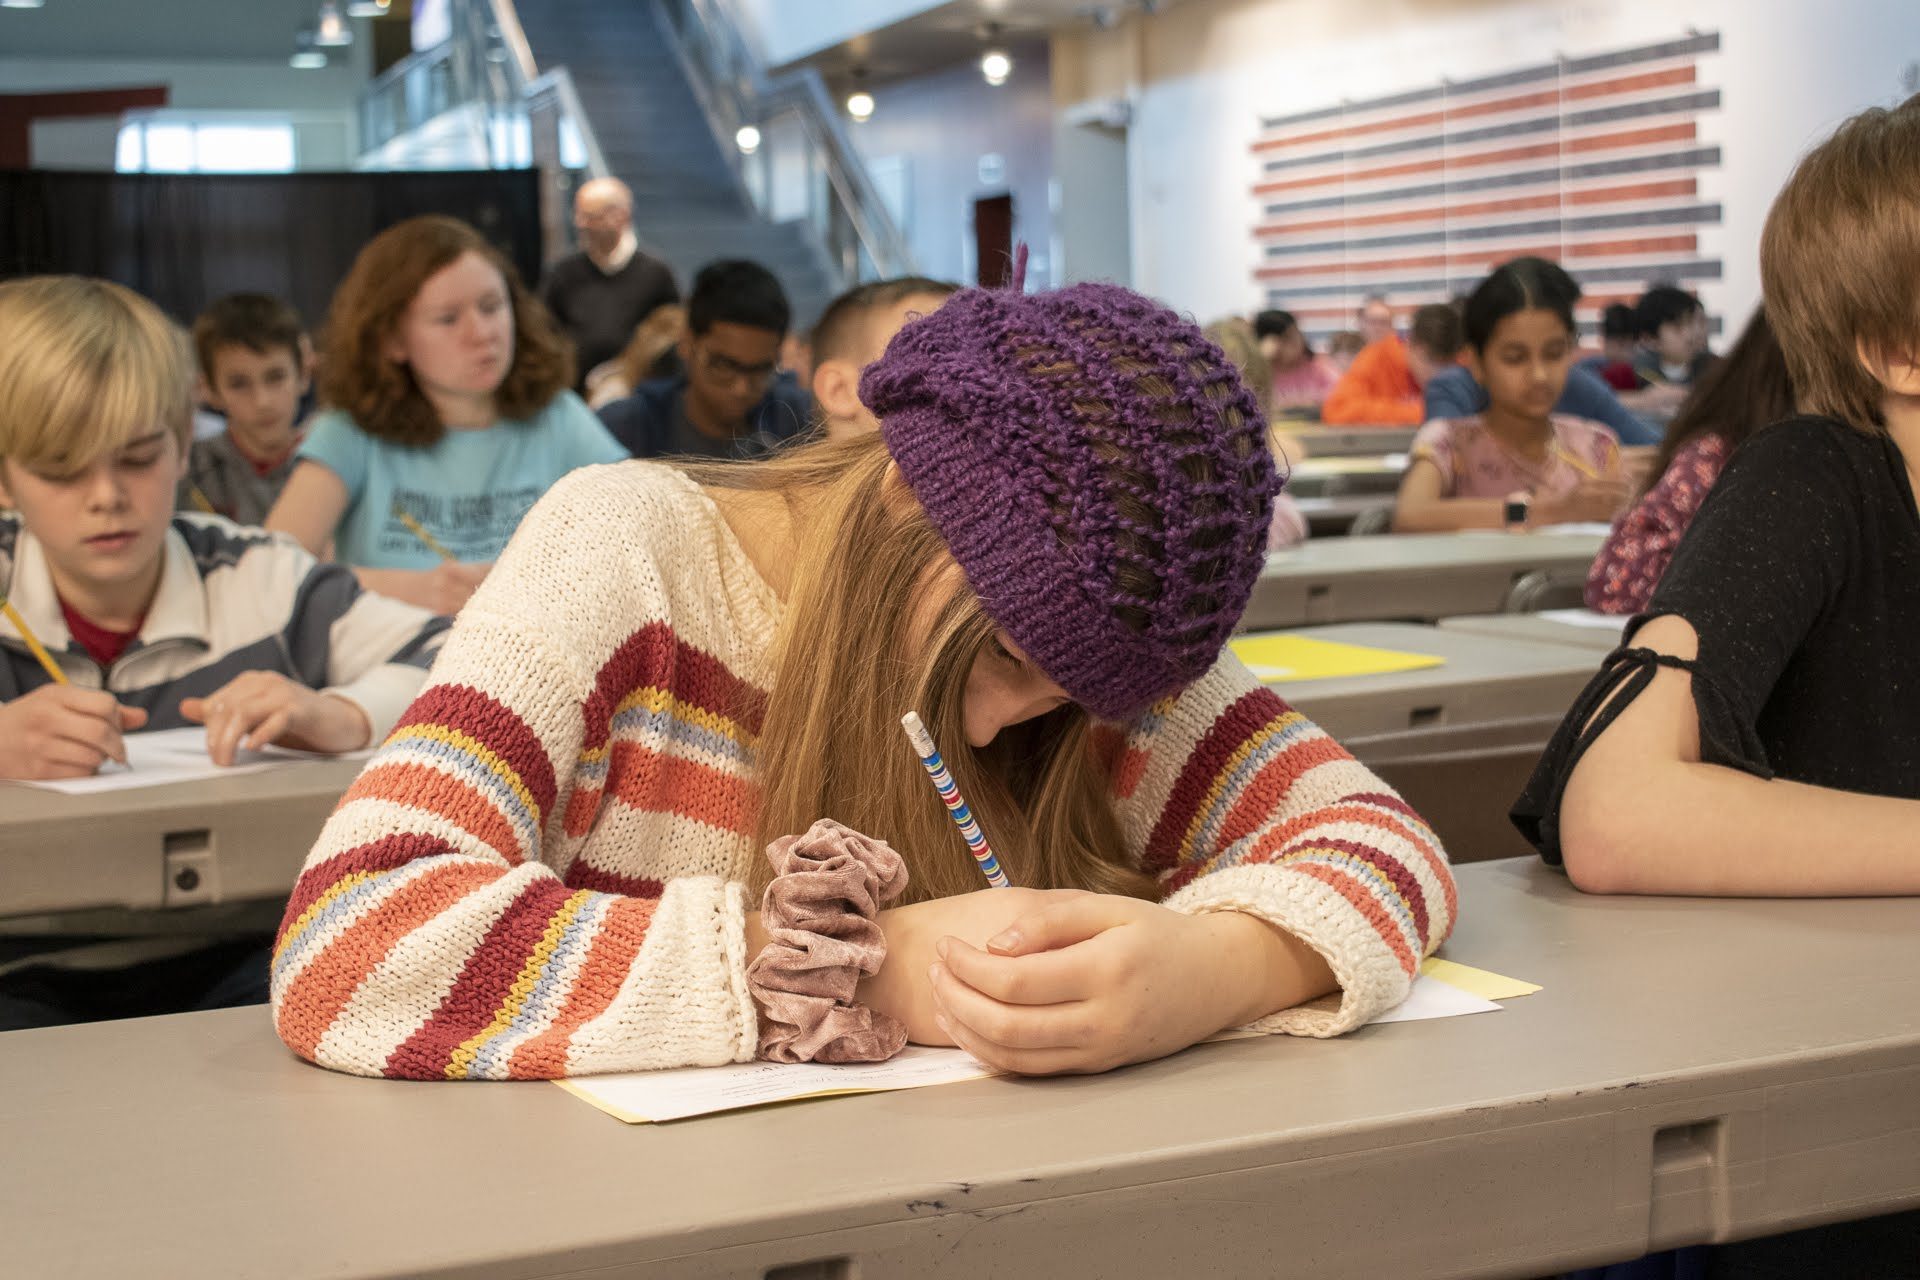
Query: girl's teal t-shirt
(468, 490)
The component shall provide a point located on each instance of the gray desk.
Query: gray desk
(1484, 680)
(1333, 517)
(1420, 577)
(1531, 626)
(1337, 477)
(1323, 441)
(1693, 1071)
(223, 840)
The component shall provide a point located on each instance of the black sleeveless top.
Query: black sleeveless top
(1801, 577)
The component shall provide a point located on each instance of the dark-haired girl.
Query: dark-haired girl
(1517, 464)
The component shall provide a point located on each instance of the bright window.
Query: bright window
(158, 144)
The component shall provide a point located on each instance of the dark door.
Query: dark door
(993, 241)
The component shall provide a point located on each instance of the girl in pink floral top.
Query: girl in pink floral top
(1300, 379)
(1518, 464)
(1744, 392)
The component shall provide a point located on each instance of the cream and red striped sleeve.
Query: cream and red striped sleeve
(455, 919)
(1237, 802)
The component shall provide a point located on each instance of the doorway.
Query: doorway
(993, 241)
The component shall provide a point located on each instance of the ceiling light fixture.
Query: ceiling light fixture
(368, 8)
(331, 30)
(22, 4)
(860, 102)
(995, 65)
(305, 56)
(747, 138)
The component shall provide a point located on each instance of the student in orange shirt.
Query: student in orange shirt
(1383, 386)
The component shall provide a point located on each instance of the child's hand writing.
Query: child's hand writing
(59, 731)
(900, 988)
(260, 707)
(448, 586)
(1592, 500)
(1099, 981)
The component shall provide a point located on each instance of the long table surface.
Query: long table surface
(1483, 679)
(1323, 441)
(1543, 630)
(226, 839)
(1692, 1071)
(1417, 576)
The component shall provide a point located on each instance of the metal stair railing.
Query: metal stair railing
(797, 119)
(480, 92)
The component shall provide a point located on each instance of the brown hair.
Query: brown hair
(1238, 340)
(848, 662)
(840, 333)
(1745, 390)
(257, 321)
(382, 397)
(1437, 329)
(1838, 261)
(85, 367)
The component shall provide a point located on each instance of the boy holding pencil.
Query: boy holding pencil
(121, 615)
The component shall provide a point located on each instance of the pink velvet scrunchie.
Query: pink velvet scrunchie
(822, 939)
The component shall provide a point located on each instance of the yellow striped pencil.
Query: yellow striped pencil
(34, 646)
(419, 531)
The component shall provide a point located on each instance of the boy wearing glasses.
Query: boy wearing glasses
(733, 400)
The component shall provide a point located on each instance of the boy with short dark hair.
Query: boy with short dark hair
(852, 333)
(733, 400)
(1673, 326)
(254, 368)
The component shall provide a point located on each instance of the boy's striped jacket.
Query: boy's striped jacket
(231, 599)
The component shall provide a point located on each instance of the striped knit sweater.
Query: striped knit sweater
(541, 872)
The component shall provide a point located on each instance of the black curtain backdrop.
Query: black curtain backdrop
(186, 239)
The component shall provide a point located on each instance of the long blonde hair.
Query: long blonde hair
(867, 564)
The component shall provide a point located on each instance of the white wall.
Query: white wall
(940, 126)
(1202, 74)
(323, 105)
(785, 30)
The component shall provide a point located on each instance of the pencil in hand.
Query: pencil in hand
(956, 804)
(419, 531)
(38, 650)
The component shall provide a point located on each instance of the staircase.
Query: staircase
(689, 206)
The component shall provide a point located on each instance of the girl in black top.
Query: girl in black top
(1759, 732)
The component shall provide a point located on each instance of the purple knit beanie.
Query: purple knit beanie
(1021, 425)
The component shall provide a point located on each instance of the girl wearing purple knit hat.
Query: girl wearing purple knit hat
(555, 864)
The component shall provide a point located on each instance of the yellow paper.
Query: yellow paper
(1488, 986)
(1278, 657)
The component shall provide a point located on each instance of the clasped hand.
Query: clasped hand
(1048, 982)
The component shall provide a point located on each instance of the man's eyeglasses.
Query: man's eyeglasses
(729, 370)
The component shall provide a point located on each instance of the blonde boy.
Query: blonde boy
(852, 333)
(157, 620)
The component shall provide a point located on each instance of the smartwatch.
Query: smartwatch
(1513, 515)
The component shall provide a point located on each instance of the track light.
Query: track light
(305, 56)
(331, 30)
(747, 138)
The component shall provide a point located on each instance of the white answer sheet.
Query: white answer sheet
(166, 757)
(644, 1097)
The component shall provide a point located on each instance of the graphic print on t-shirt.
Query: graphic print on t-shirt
(472, 526)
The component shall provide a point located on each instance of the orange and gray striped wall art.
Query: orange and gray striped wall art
(1594, 161)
